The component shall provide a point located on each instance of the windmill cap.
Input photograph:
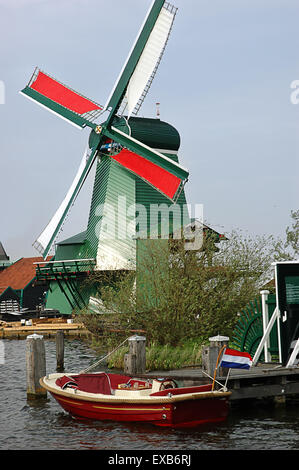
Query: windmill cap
(154, 133)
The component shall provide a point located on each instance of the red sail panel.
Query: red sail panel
(62, 95)
(160, 178)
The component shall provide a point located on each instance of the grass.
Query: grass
(162, 357)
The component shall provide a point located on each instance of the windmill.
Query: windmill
(130, 169)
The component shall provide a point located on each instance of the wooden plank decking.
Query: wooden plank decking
(46, 327)
(260, 382)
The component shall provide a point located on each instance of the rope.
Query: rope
(102, 358)
(128, 125)
(219, 383)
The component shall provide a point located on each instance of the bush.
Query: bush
(178, 295)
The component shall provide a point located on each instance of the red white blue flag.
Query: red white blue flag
(236, 359)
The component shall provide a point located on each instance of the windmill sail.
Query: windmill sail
(47, 238)
(61, 100)
(143, 59)
(160, 179)
(149, 60)
(161, 172)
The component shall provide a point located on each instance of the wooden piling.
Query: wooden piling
(35, 366)
(210, 354)
(135, 360)
(60, 351)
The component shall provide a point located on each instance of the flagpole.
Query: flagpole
(215, 371)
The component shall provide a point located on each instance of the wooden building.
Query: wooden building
(17, 288)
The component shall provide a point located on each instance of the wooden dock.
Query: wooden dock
(264, 381)
(46, 327)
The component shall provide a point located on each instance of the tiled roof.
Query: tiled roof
(19, 274)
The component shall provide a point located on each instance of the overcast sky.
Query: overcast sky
(224, 83)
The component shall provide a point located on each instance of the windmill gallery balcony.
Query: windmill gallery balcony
(63, 269)
(67, 275)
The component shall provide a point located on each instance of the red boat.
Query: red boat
(161, 402)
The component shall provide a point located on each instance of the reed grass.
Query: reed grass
(162, 357)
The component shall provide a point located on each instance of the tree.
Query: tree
(180, 294)
(288, 249)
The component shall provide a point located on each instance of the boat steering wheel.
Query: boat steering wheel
(168, 383)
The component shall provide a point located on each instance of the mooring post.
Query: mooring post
(59, 351)
(265, 313)
(135, 360)
(35, 366)
(210, 354)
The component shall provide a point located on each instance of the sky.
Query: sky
(224, 83)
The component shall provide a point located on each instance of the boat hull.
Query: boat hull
(113, 397)
(185, 414)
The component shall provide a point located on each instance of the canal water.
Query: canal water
(43, 425)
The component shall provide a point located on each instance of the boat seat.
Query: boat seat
(65, 382)
(181, 390)
(101, 383)
(91, 383)
(135, 384)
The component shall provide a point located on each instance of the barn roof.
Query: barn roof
(19, 274)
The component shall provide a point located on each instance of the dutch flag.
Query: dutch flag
(236, 359)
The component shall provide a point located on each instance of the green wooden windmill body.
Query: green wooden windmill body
(114, 184)
(120, 189)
